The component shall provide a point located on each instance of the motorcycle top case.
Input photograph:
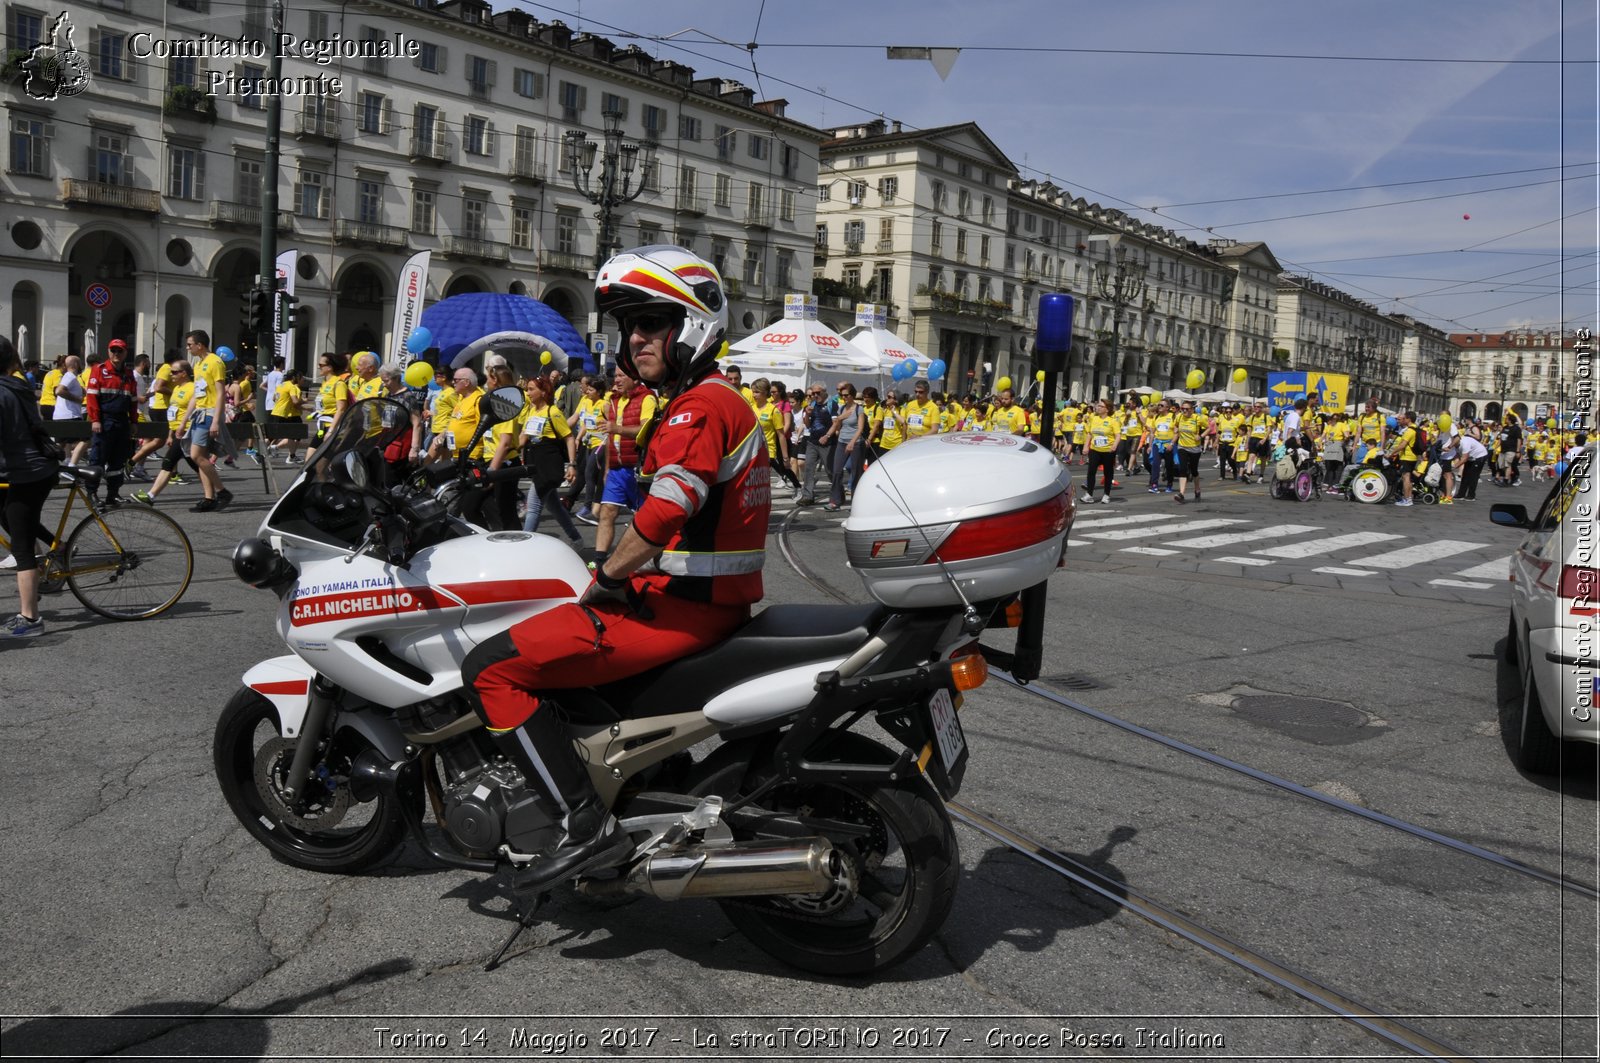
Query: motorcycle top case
(994, 508)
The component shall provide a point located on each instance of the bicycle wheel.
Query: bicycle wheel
(128, 563)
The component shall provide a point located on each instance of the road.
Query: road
(133, 895)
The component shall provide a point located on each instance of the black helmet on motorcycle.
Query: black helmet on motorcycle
(663, 279)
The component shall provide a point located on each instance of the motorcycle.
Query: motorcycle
(829, 849)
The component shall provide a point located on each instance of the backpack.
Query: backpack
(1420, 447)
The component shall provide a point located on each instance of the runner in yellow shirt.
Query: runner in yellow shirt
(333, 394)
(1191, 428)
(889, 425)
(922, 414)
(1163, 427)
(1006, 417)
(1102, 429)
(463, 423)
(286, 410)
(775, 427)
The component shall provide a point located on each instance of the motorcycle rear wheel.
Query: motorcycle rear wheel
(250, 757)
(905, 869)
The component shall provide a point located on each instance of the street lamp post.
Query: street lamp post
(1502, 381)
(1360, 351)
(1121, 286)
(618, 159)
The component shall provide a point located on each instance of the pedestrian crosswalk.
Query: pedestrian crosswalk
(1345, 555)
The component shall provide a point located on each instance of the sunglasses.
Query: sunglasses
(649, 323)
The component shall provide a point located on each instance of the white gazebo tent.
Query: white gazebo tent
(886, 349)
(797, 351)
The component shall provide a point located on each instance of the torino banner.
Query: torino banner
(408, 299)
(285, 267)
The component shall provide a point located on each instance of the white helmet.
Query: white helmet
(666, 279)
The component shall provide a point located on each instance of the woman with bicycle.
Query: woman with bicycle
(27, 474)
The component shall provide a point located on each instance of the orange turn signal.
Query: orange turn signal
(1013, 613)
(969, 673)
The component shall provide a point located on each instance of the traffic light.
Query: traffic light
(299, 317)
(258, 310)
(291, 316)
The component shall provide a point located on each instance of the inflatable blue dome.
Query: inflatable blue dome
(469, 325)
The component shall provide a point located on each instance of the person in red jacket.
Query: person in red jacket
(112, 397)
(685, 573)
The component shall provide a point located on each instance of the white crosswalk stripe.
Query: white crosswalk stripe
(1252, 562)
(1153, 551)
(1326, 546)
(1097, 521)
(1407, 556)
(1462, 583)
(1498, 569)
(1335, 571)
(1141, 533)
(1276, 531)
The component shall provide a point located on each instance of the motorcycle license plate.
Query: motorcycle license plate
(947, 733)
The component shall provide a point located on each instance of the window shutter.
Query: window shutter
(200, 175)
(583, 98)
(127, 170)
(538, 85)
(488, 138)
(489, 73)
(442, 64)
(299, 196)
(386, 123)
(324, 202)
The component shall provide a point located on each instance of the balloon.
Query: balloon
(936, 369)
(225, 353)
(1558, 469)
(418, 374)
(1039, 376)
(421, 339)
(910, 367)
(1551, 423)
(1195, 378)
(898, 372)
(1466, 217)
(1445, 422)
(544, 357)
(1530, 423)
(1003, 384)
(1144, 400)
(1392, 422)
(1240, 376)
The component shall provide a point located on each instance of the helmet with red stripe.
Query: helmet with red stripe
(663, 279)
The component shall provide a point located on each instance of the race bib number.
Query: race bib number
(915, 421)
(535, 428)
(1100, 442)
(450, 440)
(1225, 436)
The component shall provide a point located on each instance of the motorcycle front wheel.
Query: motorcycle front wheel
(900, 868)
(330, 831)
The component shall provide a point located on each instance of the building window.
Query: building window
(963, 202)
(422, 211)
(961, 245)
(186, 172)
(312, 194)
(785, 269)
(372, 34)
(480, 76)
(249, 77)
(477, 136)
(824, 193)
(522, 228)
(855, 232)
(655, 121)
(752, 265)
(109, 49)
(885, 230)
(851, 276)
(247, 182)
(528, 83)
(822, 235)
(574, 98)
(112, 163)
(759, 147)
(786, 204)
(30, 146)
(688, 183)
(611, 103)
(983, 250)
(567, 232)
(882, 284)
(789, 160)
(317, 26)
(181, 71)
(430, 58)
(649, 233)
(719, 255)
(650, 177)
(888, 188)
(474, 216)
(369, 201)
(858, 161)
(424, 127)
(988, 210)
(1030, 223)
(727, 141)
(937, 239)
(688, 128)
(26, 30)
(937, 195)
(724, 190)
(373, 109)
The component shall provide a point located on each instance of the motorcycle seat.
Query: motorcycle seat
(778, 637)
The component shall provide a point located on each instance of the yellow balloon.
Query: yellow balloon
(1445, 422)
(1551, 423)
(418, 374)
(1144, 400)
(1039, 376)
(1240, 376)
(1195, 379)
(544, 357)
(1003, 384)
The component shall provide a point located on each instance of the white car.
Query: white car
(1555, 610)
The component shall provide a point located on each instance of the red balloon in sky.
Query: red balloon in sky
(1466, 217)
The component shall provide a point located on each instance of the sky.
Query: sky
(1486, 218)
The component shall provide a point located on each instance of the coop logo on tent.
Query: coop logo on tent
(779, 337)
(825, 341)
(55, 67)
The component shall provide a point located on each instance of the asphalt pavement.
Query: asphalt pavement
(132, 895)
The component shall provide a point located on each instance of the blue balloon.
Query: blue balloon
(1392, 422)
(936, 369)
(421, 339)
(225, 353)
(910, 366)
(898, 373)
(1558, 469)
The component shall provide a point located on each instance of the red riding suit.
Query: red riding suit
(708, 505)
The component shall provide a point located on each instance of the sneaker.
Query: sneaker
(1155, 490)
(224, 497)
(1166, 490)
(113, 502)
(1403, 502)
(228, 462)
(9, 562)
(140, 475)
(1447, 501)
(20, 627)
(292, 460)
(177, 481)
(585, 515)
(1087, 498)
(255, 456)
(1178, 498)
(205, 505)
(144, 498)
(1105, 500)
(1197, 495)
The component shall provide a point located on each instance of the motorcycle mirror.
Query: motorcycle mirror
(356, 469)
(506, 403)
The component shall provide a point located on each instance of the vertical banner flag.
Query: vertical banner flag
(285, 266)
(409, 296)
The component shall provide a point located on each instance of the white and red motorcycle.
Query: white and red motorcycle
(737, 772)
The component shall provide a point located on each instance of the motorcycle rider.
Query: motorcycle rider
(112, 397)
(685, 573)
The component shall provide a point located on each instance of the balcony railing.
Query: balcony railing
(527, 171)
(696, 205)
(950, 303)
(886, 246)
(431, 149)
(241, 216)
(567, 260)
(369, 233)
(852, 247)
(122, 197)
(820, 251)
(317, 126)
(758, 217)
(484, 250)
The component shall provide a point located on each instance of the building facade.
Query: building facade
(412, 126)
(1528, 374)
(1321, 328)
(1430, 364)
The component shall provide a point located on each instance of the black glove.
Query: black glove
(604, 588)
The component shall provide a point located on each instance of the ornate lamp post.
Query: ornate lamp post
(1121, 285)
(618, 159)
(1502, 381)
(1360, 352)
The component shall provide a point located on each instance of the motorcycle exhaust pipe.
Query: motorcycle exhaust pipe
(747, 869)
